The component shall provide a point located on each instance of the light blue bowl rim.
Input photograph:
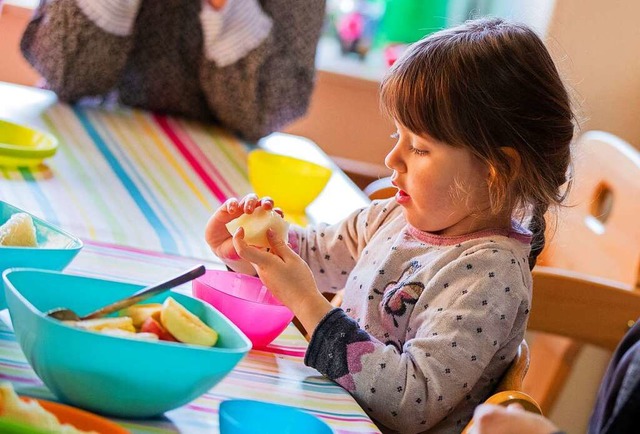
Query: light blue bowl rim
(235, 402)
(55, 323)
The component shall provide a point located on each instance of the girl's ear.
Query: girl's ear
(514, 159)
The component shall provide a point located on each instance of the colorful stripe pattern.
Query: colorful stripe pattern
(139, 189)
(147, 181)
(273, 376)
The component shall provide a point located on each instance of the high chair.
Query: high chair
(592, 310)
(596, 234)
(509, 389)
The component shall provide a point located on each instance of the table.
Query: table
(138, 189)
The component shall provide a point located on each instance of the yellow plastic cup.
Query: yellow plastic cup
(291, 182)
(24, 146)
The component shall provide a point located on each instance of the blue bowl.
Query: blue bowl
(106, 374)
(56, 248)
(243, 416)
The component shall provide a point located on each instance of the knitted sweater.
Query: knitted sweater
(248, 67)
(428, 324)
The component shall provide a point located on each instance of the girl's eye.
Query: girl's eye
(418, 151)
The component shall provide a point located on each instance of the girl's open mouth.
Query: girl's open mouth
(402, 197)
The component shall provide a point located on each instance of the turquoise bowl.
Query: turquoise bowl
(245, 416)
(106, 374)
(56, 248)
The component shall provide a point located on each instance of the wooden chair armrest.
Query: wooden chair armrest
(506, 398)
(380, 189)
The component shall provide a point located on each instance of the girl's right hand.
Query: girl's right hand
(218, 237)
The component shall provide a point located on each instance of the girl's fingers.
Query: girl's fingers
(249, 203)
(278, 246)
(231, 205)
(247, 252)
(266, 202)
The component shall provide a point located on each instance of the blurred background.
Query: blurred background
(594, 43)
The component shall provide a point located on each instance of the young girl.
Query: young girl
(437, 280)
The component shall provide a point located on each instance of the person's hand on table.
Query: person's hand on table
(287, 276)
(496, 419)
(218, 237)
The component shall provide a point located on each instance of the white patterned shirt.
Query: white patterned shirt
(428, 324)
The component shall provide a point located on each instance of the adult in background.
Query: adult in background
(247, 65)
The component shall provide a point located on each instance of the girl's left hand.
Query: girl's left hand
(287, 276)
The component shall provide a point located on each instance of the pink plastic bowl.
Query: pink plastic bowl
(246, 302)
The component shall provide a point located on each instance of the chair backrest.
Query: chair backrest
(598, 235)
(598, 232)
(589, 309)
(570, 304)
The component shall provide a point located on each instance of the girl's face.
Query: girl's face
(443, 189)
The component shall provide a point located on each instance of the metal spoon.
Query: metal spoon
(64, 314)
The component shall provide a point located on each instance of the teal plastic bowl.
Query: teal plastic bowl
(56, 248)
(110, 375)
(245, 416)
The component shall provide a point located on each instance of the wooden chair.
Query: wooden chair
(380, 189)
(590, 310)
(509, 390)
(596, 234)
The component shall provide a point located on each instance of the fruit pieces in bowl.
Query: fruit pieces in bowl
(106, 374)
(169, 321)
(25, 415)
(30, 414)
(54, 248)
(18, 231)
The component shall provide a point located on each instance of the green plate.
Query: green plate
(21, 145)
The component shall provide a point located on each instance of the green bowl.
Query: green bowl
(21, 145)
(56, 248)
(106, 374)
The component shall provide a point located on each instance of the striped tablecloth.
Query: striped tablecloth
(277, 375)
(138, 189)
(131, 178)
(128, 177)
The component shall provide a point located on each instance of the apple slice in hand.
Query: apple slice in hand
(256, 224)
(185, 326)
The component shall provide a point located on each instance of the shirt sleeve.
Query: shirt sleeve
(331, 251)
(80, 47)
(467, 322)
(258, 66)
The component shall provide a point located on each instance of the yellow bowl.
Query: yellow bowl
(292, 183)
(24, 146)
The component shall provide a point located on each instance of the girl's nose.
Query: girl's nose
(394, 160)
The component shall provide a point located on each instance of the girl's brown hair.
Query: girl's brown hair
(486, 85)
